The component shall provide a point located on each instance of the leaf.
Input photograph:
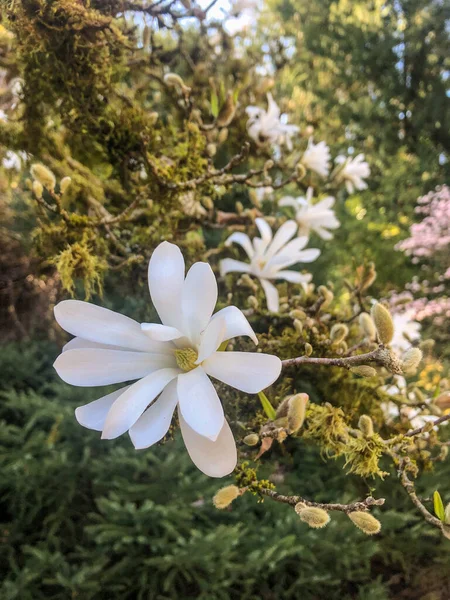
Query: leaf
(438, 506)
(265, 446)
(268, 408)
(214, 104)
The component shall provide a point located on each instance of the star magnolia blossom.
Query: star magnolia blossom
(172, 361)
(317, 217)
(353, 172)
(317, 158)
(266, 126)
(269, 256)
(404, 325)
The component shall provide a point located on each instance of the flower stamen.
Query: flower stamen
(186, 358)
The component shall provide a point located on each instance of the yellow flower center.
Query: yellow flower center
(186, 358)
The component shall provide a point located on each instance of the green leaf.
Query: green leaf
(214, 104)
(268, 408)
(438, 506)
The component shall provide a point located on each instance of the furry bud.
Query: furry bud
(208, 203)
(223, 135)
(369, 277)
(64, 184)
(174, 80)
(298, 326)
(252, 301)
(383, 322)
(365, 423)
(367, 325)
(366, 522)
(447, 514)
(282, 409)
(251, 439)
(44, 176)
(211, 150)
(227, 111)
(308, 349)
(38, 189)
(312, 516)
(152, 117)
(296, 411)
(225, 496)
(364, 371)
(338, 333)
(239, 207)
(327, 295)
(411, 359)
(268, 165)
(297, 314)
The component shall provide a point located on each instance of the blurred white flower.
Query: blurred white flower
(269, 256)
(317, 217)
(266, 126)
(353, 172)
(13, 160)
(172, 361)
(191, 206)
(404, 325)
(317, 158)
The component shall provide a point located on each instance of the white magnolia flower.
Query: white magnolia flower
(13, 160)
(269, 256)
(404, 325)
(267, 127)
(317, 217)
(317, 158)
(172, 363)
(353, 172)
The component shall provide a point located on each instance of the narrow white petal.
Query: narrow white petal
(230, 265)
(199, 297)
(214, 459)
(127, 409)
(236, 323)
(265, 230)
(294, 276)
(160, 333)
(153, 425)
(211, 339)
(310, 255)
(249, 372)
(243, 240)
(103, 326)
(92, 367)
(323, 233)
(272, 298)
(93, 415)
(288, 201)
(281, 238)
(79, 343)
(294, 246)
(165, 280)
(200, 404)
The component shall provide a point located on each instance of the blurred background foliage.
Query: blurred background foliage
(84, 519)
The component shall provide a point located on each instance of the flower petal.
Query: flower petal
(93, 415)
(243, 240)
(103, 326)
(92, 366)
(281, 238)
(127, 409)
(214, 459)
(165, 281)
(199, 297)
(294, 276)
(79, 343)
(288, 201)
(153, 425)
(210, 339)
(272, 298)
(160, 333)
(230, 265)
(236, 323)
(265, 230)
(200, 404)
(249, 372)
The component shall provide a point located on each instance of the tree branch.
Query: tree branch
(362, 505)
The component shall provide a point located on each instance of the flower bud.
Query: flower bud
(309, 130)
(366, 522)
(211, 150)
(174, 80)
(447, 514)
(296, 411)
(225, 496)
(64, 184)
(268, 165)
(312, 516)
(365, 423)
(223, 135)
(251, 439)
(338, 333)
(38, 189)
(367, 325)
(253, 302)
(369, 277)
(297, 314)
(152, 117)
(282, 409)
(146, 37)
(364, 371)
(44, 176)
(383, 322)
(411, 359)
(227, 111)
(298, 326)
(239, 207)
(208, 202)
(327, 295)
(308, 349)
(427, 345)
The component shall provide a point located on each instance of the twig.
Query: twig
(345, 362)
(362, 505)
(428, 425)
